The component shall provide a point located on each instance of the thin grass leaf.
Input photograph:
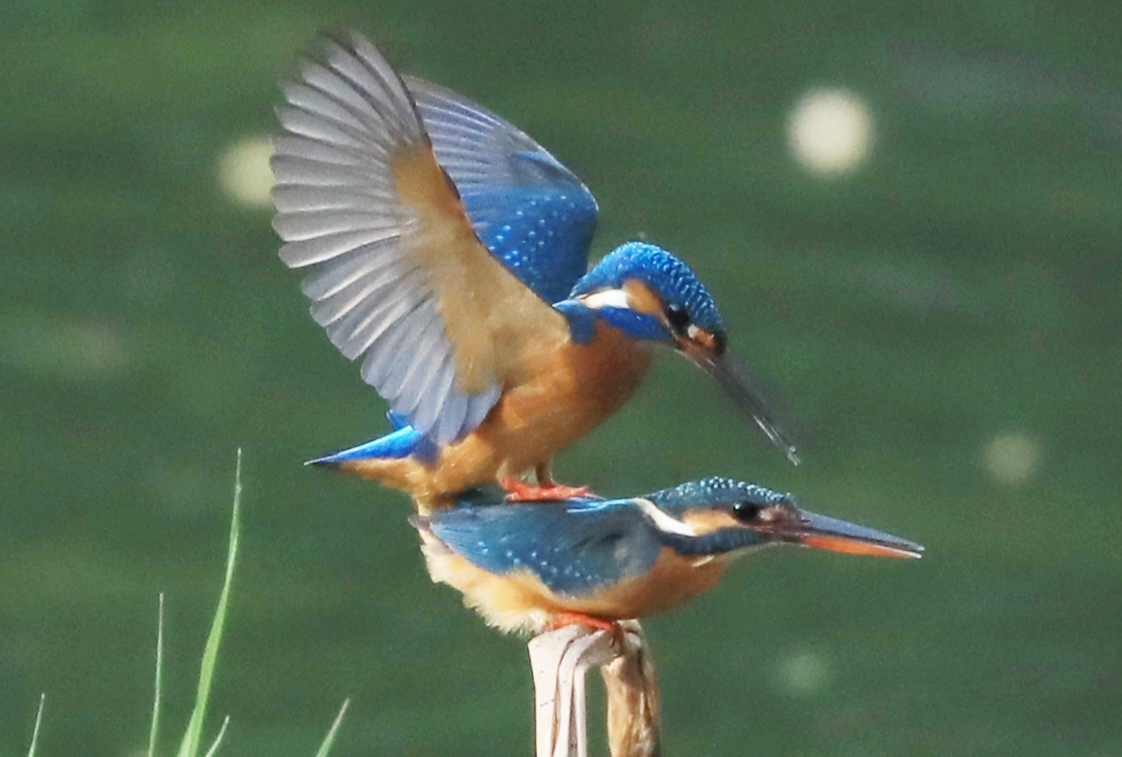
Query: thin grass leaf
(39, 720)
(154, 730)
(218, 739)
(191, 739)
(326, 745)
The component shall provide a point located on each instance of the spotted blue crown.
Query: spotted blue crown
(672, 280)
(716, 492)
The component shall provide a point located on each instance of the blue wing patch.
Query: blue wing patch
(529, 210)
(575, 547)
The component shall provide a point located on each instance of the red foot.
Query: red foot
(562, 619)
(519, 491)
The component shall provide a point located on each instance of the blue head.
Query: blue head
(649, 294)
(721, 515)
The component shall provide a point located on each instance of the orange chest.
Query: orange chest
(520, 598)
(672, 581)
(577, 385)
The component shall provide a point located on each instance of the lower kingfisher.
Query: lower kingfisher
(448, 252)
(533, 567)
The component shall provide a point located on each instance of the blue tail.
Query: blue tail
(403, 442)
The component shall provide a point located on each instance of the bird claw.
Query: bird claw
(520, 491)
(562, 619)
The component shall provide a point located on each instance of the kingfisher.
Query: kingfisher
(532, 567)
(448, 251)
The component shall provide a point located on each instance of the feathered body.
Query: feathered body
(524, 565)
(566, 390)
(448, 252)
(520, 602)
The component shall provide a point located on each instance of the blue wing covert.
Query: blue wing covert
(529, 210)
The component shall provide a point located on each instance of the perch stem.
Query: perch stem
(559, 660)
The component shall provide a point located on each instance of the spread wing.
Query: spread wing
(397, 276)
(532, 212)
(573, 547)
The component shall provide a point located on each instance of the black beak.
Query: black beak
(739, 383)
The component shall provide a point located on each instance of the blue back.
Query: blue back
(574, 546)
(541, 234)
(530, 211)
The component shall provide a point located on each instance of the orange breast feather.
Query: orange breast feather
(558, 392)
(561, 392)
(520, 601)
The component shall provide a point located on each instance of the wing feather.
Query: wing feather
(423, 335)
(324, 153)
(452, 415)
(427, 409)
(306, 252)
(512, 190)
(385, 354)
(574, 547)
(315, 101)
(361, 329)
(309, 124)
(305, 197)
(301, 173)
(355, 267)
(397, 277)
(376, 288)
(379, 363)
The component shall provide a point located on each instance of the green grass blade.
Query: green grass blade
(218, 739)
(189, 747)
(326, 745)
(39, 721)
(153, 732)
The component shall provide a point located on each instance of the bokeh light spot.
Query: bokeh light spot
(802, 674)
(244, 172)
(1012, 458)
(830, 131)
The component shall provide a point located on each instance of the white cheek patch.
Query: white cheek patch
(662, 520)
(607, 298)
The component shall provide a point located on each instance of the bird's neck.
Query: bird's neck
(720, 542)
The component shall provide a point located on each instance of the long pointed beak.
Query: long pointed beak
(739, 384)
(822, 532)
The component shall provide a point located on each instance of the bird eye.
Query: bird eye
(677, 316)
(745, 512)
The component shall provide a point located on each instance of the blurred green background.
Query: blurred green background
(943, 320)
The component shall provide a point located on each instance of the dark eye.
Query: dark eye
(677, 316)
(745, 512)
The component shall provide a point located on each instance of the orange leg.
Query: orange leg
(563, 619)
(546, 489)
(520, 491)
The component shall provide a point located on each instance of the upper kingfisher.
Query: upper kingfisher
(594, 562)
(437, 236)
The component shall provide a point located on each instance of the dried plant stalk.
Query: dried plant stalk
(559, 660)
(633, 701)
